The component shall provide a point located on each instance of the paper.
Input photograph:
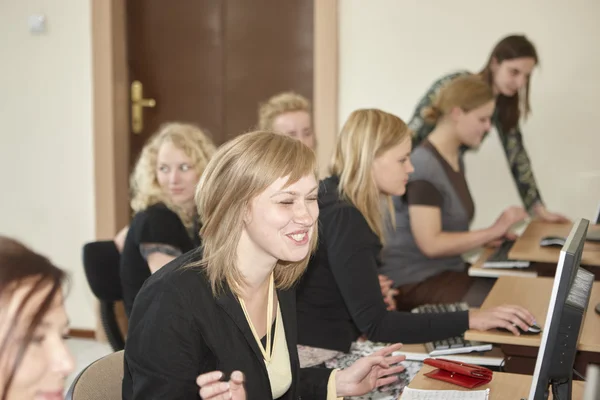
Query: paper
(418, 394)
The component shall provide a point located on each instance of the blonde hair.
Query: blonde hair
(465, 92)
(366, 134)
(144, 185)
(241, 170)
(280, 104)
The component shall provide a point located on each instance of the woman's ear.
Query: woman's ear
(494, 64)
(456, 113)
(247, 214)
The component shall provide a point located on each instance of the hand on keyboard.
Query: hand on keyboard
(453, 345)
(506, 316)
(509, 237)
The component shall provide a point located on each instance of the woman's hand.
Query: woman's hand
(507, 219)
(496, 243)
(370, 372)
(390, 299)
(507, 316)
(211, 388)
(387, 292)
(385, 284)
(543, 214)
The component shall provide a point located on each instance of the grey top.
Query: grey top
(434, 183)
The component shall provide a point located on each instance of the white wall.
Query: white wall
(46, 155)
(391, 51)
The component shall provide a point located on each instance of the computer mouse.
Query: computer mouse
(597, 309)
(552, 241)
(533, 330)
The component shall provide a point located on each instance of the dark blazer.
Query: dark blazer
(179, 330)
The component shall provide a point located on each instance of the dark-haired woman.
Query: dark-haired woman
(34, 359)
(508, 71)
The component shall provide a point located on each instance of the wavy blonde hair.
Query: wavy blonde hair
(280, 104)
(241, 170)
(465, 92)
(366, 135)
(145, 190)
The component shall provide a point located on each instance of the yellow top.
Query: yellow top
(276, 353)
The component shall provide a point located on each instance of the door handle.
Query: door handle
(138, 102)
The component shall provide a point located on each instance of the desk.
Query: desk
(527, 247)
(416, 353)
(534, 294)
(502, 386)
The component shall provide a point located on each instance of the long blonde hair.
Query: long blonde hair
(241, 170)
(465, 92)
(366, 134)
(145, 190)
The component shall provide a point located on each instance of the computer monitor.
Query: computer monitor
(592, 383)
(568, 304)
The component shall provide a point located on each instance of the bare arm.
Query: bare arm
(120, 238)
(426, 227)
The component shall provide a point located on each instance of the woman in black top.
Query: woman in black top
(229, 306)
(339, 297)
(34, 358)
(163, 184)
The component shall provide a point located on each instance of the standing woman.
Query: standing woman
(508, 72)
(230, 305)
(163, 184)
(34, 359)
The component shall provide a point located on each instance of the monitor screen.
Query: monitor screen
(566, 309)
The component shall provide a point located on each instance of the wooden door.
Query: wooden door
(210, 62)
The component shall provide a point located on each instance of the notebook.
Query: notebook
(418, 394)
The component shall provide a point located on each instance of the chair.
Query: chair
(101, 262)
(101, 380)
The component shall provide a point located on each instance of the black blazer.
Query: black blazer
(179, 330)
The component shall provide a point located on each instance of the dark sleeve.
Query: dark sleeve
(313, 383)
(423, 193)
(520, 166)
(417, 124)
(163, 350)
(352, 258)
(161, 225)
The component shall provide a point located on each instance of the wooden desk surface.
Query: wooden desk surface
(534, 294)
(527, 246)
(478, 270)
(502, 386)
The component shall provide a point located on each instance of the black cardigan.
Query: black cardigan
(179, 330)
(339, 297)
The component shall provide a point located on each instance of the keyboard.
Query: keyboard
(499, 258)
(455, 345)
